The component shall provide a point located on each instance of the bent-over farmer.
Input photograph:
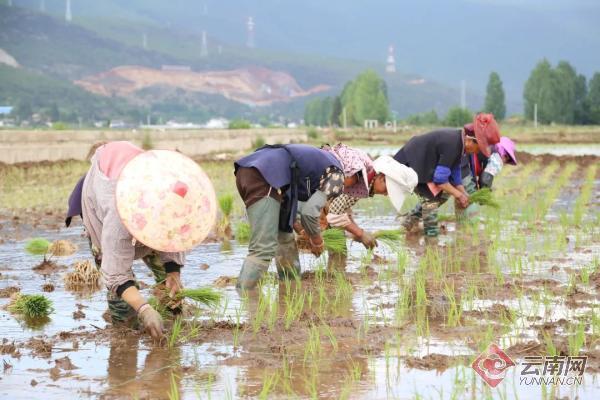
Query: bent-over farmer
(436, 157)
(153, 205)
(271, 181)
(384, 176)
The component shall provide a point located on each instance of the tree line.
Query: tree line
(362, 98)
(562, 96)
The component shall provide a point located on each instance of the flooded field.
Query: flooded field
(405, 321)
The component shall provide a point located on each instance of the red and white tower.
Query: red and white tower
(390, 66)
(250, 33)
(68, 15)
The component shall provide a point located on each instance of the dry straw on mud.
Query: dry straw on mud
(85, 274)
(62, 248)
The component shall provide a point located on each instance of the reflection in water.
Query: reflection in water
(159, 378)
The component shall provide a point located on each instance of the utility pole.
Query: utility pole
(535, 120)
(204, 49)
(68, 15)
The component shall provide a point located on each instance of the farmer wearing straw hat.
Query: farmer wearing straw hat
(384, 176)
(153, 205)
(436, 157)
(271, 181)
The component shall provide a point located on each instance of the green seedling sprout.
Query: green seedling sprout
(242, 232)
(31, 306)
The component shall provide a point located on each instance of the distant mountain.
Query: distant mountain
(96, 44)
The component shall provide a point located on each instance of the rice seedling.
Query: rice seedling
(335, 241)
(312, 350)
(159, 307)
(294, 304)
(484, 197)
(176, 329)
(85, 274)
(330, 336)
(550, 347)
(585, 195)
(242, 232)
(38, 247)
(454, 307)
(269, 382)
(173, 393)
(576, 339)
(226, 206)
(31, 306)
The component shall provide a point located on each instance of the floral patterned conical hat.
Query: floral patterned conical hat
(166, 201)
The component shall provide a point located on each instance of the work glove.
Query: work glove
(174, 285)
(151, 321)
(368, 240)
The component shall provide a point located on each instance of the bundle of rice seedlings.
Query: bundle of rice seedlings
(335, 241)
(206, 295)
(484, 197)
(391, 238)
(242, 232)
(62, 248)
(226, 204)
(392, 235)
(84, 274)
(37, 247)
(32, 306)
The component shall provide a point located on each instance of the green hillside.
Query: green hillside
(47, 45)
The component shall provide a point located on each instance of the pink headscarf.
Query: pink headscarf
(353, 161)
(113, 156)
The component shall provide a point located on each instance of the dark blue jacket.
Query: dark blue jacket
(274, 164)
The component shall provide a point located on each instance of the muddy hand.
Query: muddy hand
(174, 285)
(316, 245)
(152, 321)
(368, 240)
(463, 200)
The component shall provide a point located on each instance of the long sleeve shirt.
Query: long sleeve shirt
(107, 232)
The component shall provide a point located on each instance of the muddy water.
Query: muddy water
(126, 365)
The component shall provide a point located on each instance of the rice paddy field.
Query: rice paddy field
(405, 321)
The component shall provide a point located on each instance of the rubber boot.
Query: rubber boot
(252, 270)
(287, 259)
(410, 222)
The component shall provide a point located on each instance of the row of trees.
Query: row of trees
(562, 95)
(361, 99)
